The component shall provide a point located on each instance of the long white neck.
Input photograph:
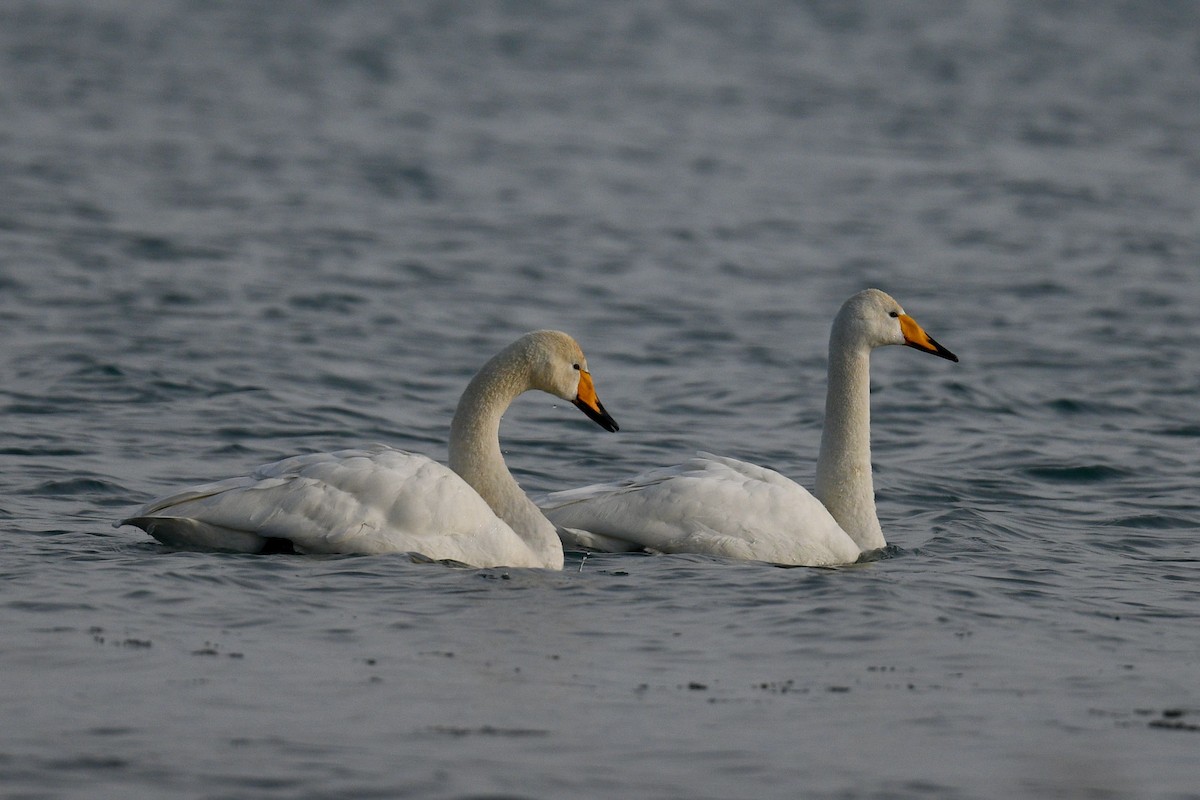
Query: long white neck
(844, 467)
(475, 450)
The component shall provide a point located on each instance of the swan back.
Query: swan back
(707, 504)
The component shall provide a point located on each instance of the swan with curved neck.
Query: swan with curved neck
(381, 500)
(722, 506)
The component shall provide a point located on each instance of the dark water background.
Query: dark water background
(231, 232)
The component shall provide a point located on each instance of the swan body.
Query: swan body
(382, 500)
(731, 508)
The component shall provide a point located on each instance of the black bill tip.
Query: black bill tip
(932, 347)
(598, 415)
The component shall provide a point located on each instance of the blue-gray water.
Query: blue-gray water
(234, 232)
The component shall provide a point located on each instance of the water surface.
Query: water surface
(230, 234)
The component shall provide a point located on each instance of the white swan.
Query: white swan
(382, 500)
(730, 508)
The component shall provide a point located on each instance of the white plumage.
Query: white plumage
(382, 500)
(707, 504)
(722, 506)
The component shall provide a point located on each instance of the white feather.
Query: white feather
(382, 500)
(725, 507)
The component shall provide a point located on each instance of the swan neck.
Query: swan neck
(475, 430)
(475, 450)
(844, 482)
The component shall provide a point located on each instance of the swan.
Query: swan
(381, 500)
(725, 507)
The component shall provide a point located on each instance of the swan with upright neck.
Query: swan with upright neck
(382, 500)
(725, 507)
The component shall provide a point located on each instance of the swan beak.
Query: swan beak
(588, 403)
(915, 336)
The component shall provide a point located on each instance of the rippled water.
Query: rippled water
(234, 232)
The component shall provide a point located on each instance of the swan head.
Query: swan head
(873, 318)
(558, 366)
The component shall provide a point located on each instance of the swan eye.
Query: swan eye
(576, 366)
(893, 314)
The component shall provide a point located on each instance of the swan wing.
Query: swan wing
(372, 500)
(708, 504)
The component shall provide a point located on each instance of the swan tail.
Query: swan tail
(578, 539)
(194, 534)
